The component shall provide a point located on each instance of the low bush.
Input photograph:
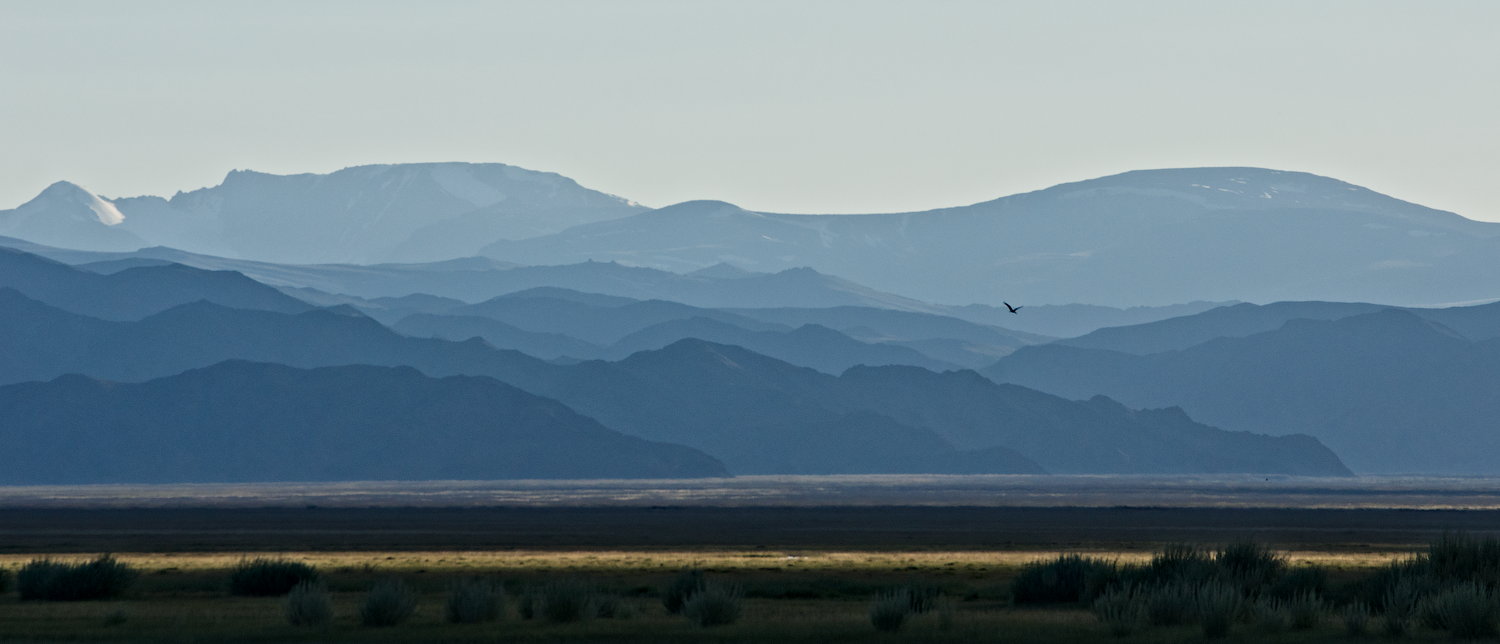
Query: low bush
(1298, 581)
(527, 603)
(1121, 610)
(714, 605)
(1269, 616)
(1468, 611)
(102, 578)
(474, 601)
(262, 577)
(389, 603)
(4, 580)
(945, 613)
(1171, 604)
(1304, 611)
(566, 601)
(1249, 565)
(924, 597)
(1456, 558)
(608, 606)
(1068, 579)
(1218, 605)
(1376, 587)
(1181, 562)
(1400, 601)
(889, 610)
(308, 604)
(683, 586)
(1356, 618)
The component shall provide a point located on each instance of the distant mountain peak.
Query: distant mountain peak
(722, 270)
(1237, 187)
(698, 208)
(74, 200)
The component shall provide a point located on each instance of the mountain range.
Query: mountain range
(715, 340)
(1390, 390)
(331, 424)
(751, 412)
(373, 213)
(1248, 234)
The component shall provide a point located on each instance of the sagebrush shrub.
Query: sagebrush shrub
(1400, 600)
(1468, 611)
(1463, 558)
(1300, 580)
(924, 597)
(308, 604)
(102, 578)
(1249, 565)
(262, 577)
(566, 601)
(1218, 604)
(390, 602)
(1171, 604)
(610, 606)
(474, 601)
(1356, 618)
(1181, 562)
(527, 603)
(714, 605)
(889, 610)
(683, 586)
(1068, 579)
(1269, 616)
(1304, 611)
(1121, 610)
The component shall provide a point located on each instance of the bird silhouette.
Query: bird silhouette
(1013, 309)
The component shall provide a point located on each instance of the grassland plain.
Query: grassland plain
(808, 572)
(792, 595)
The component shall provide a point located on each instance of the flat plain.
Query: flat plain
(808, 553)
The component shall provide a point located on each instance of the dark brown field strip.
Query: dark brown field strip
(273, 529)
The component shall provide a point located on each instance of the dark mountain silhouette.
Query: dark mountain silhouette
(949, 339)
(1481, 322)
(1389, 391)
(499, 334)
(531, 321)
(241, 421)
(1095, 436)
(475, 279)
(810, 345)
(593, 320)
(752, 408)
(1235, 321)
(721, 400)
(1072, 320)
(1061, 435)
(200, 334)
(134, 292)
(1123, 240)
(1477, 323)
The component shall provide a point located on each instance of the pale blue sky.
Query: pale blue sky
(791, 106)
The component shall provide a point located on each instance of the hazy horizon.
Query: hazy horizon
(773, 106)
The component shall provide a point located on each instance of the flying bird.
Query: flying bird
(1013, 309)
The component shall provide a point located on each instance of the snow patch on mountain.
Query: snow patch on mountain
(459, 181)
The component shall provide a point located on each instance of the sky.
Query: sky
(784, 106)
